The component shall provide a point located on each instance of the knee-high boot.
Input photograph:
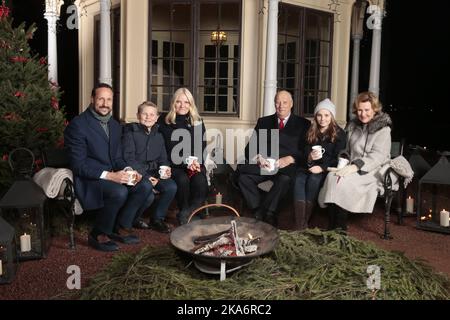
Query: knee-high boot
(309, 206)
(300, 215)
(332, 213)
(341, 218)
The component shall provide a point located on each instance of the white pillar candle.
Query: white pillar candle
(25, 243)
(219, 198)
(445, 218)
(410, 205)
(1, 268)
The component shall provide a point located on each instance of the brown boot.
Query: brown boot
(300, 215)
(309, 206)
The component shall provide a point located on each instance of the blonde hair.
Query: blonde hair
(147, 104)
(314, 135)
(367, 96)
(193, 111)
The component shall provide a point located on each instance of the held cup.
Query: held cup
(189, 160)
(271, 164)
(131, 178)
(319, 151)
(163, 172)
(342, 162)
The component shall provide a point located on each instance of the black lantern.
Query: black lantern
(23, 206)
(432, 213)
(8, 259)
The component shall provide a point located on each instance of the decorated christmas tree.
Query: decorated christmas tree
(30, 115)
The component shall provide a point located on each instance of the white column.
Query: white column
(270, 84)
(354, 87)
(105, 42)
(358, 12)
(375, 22)
(52, 10)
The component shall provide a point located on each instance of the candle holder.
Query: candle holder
(24, 207)
(437, 179)
(8, 258)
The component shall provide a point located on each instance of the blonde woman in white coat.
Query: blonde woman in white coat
(354, 188)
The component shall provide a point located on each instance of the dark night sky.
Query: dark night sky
(414, 76)
(415, 71)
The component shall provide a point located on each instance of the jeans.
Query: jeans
(307, 185)
(167, 189)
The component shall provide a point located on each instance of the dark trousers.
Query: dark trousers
(307, 185)
(167, 189)
(248, 183)
(192, 192)
(121, 205)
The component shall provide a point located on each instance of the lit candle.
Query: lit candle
(410, 205)
(25, 243)
(444, 218)
(219, 198)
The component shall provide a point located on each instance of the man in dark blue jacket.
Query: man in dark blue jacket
(93, 140)
(286, 152)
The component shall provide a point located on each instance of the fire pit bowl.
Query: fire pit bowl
(183, 236)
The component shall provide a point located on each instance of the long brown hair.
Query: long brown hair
(314, 135)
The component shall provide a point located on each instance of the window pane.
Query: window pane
(223, 91)
(223, 70)
(154, 48)
(223, 101)
(210, 104)
(291, 50)
(323, 81)
(210, 69)
(324, 53)
(210, 51)
(224, 52)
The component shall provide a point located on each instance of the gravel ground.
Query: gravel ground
(46, 278)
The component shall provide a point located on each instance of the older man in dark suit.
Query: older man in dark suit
(93, 140)
(291, 131)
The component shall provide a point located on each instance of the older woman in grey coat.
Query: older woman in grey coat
(355, 187)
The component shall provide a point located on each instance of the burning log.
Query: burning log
(226, 243)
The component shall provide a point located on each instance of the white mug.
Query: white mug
(189, 160)
(132, 176)
(342, 162)
(321, 151)
(163, 172)
(271, 164)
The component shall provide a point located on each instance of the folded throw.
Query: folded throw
(403, 168)
(51, 180)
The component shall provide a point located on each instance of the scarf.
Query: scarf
(102, 119)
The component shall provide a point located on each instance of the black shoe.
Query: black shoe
(160, 226)
(183, 216)
(140, 224)
(124, 238)
(270, 219)
(102, 246)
